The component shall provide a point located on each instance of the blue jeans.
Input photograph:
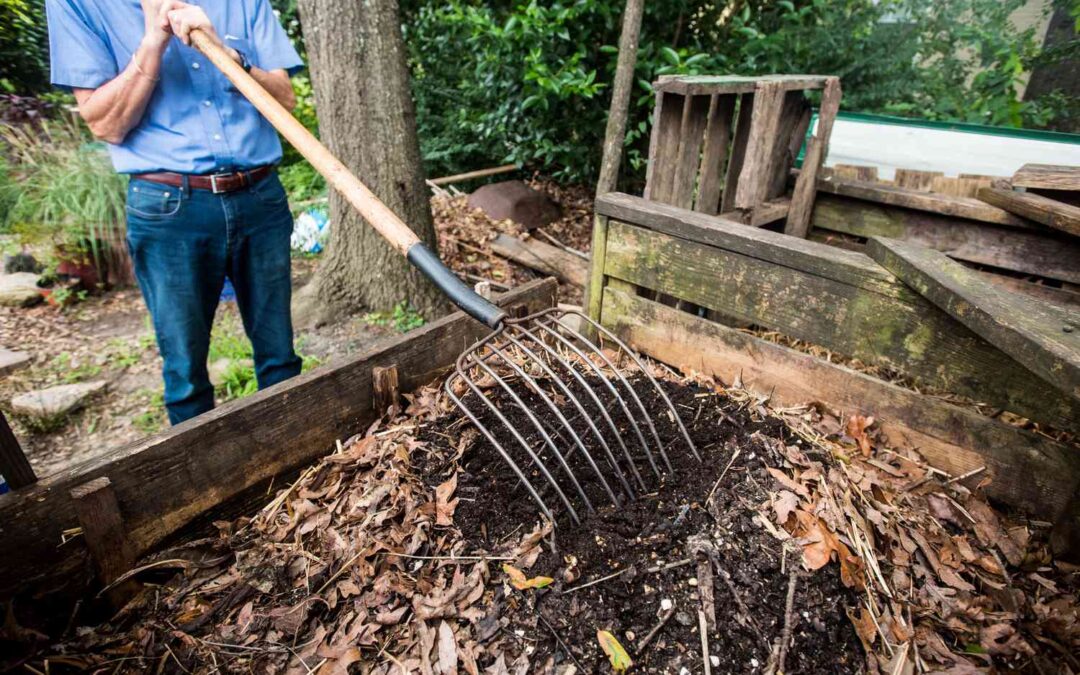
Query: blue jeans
(184, 243)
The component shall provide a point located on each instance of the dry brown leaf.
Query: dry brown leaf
(784, 502)
(448, 650)
(856, 428)
(444, 506)
(865, 627)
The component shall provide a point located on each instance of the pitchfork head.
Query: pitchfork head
(548, 398)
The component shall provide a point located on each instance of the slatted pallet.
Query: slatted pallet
(727, 144)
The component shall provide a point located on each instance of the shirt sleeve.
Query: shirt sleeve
(78, 54)
(273, 49)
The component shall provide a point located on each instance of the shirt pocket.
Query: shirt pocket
(151, 201)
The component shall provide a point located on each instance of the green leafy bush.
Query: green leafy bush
(526, 82)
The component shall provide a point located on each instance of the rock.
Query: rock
(19, 290)
(55, 401)
(11, 361)
(515, 201)
(21, 262)
(220, 368)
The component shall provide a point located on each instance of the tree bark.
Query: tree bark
(356, 56)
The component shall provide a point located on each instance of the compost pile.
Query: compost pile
(798, 543)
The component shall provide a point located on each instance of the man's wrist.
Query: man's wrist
(155, 40)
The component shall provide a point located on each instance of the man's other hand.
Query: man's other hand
(180, 19)
(154, 34)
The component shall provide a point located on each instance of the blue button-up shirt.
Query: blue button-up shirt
(196, 121)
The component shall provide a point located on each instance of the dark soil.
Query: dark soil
(672, 522)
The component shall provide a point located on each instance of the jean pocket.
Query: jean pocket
(151, 201)
(270, 191)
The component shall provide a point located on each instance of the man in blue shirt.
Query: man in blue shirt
(204, 200)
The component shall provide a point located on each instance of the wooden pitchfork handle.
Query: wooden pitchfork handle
(379, 215)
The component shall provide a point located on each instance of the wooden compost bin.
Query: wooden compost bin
(220, 464)
(658, 268)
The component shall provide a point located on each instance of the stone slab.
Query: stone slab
(19, 290)
(10, 361)
(55, 401)
(516, 201)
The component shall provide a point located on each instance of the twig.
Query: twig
(559, 244)
(965, 476)
(595, 581)
(789, 615)
(703, 628)
(449, 558)
(179, 562)
(652, 633)
(716, 485)
(566, 648)
(742, 605)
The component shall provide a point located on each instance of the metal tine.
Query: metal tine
(641, 366)
(506, 423)
(584, 416)
(633, 393)
(558, 414)
(611, 388)
(480, 362)
(448, 387)
(596, 401)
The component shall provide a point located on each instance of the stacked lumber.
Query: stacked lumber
(1048, 195)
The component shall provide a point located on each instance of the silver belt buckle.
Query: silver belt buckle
(214, 180)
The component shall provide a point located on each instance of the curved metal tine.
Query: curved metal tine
(626, 383)
(539, 427)
(614, 392)
(498, 447)
(595, 399)
(555, 409)
(528, 449)
(622, 345)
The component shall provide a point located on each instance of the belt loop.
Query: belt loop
(185, 186)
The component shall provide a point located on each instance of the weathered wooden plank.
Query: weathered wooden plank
(738, 152)
(717, 139)
(961, 186)
(1027, 471)
(104, 533)
(802, 197)
(960, 207)
(1049, 212)
(846, 267)
(688, 158)
(1043, 338)
(755, 177)
(594, 292)
(734, 84)
(791, 133)
(14, 466)
(165, 481)
(762, 214)
(1047, 177)
(859, 172)
(543, 257)
(914, 179)
(663, 146)
(1042, 251)
(898, 329)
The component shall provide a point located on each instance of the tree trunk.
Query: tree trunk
(366, 117)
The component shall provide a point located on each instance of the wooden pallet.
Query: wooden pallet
(847, 303)
(727, 145)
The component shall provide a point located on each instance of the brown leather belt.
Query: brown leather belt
(218, 183)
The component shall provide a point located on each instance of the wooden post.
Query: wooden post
(802, 199)
(103, 529)
(614, 137)
(384, 387)
(14, 466)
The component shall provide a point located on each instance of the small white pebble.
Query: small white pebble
(692, 581)
(519, 633)
(684, 671)
(754, 663)
(806, 615)
(630, 635)
(666, 604)
(715, 660)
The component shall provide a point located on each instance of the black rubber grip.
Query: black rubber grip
(468, 300)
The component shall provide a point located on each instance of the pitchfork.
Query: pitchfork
(539, 357)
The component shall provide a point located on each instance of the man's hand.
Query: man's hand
(181, 18)
(155, 35)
